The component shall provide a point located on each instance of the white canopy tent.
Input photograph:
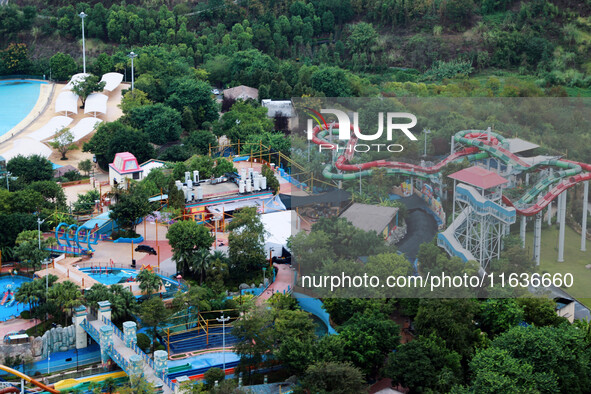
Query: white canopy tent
(67, 102)
(54, 125)
(96, 103)
(279, 226)
(75, 78)
(112, 81)
(27, 147)
(84, 127)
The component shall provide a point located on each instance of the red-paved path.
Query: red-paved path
(283, 280)
(149, 259)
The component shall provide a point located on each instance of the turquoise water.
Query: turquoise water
(112, 277)
(11, 284)
(122, 276)
(206, 360)
(17, 99)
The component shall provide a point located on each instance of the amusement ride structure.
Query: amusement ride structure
(482, 215)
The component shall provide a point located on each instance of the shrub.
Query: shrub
(143, 341)
(26, 315)
(212, 375)
(451, 69)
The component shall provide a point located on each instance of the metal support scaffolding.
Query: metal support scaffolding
(549, 213)
(482, 230)
(522, 231)
(537, 237)
(584, 219)
(562, 199)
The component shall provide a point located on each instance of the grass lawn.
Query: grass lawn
(574, 260)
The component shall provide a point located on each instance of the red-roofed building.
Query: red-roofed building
(479, 177)
(123, 167)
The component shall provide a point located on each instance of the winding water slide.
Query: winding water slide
(28, 379)
(479, 145)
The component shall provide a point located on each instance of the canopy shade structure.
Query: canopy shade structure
(112, 81)
(479, 177)
(96, 103)
(27, 147)
(75, 78)
(54, 125)
(84, 127)
(67, 102)
(279, 226)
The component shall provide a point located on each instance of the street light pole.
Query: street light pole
(82, 15)
(426, 131)
(223, 320)
(132, 56)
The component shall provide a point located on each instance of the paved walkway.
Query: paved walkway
(283, 281)
(126, 353)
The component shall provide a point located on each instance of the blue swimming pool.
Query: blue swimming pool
(123, 276)
(17, 99)
(9, 308)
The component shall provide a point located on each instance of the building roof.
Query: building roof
(517, 145)
(278, 107)
(370, 217)
(125, 163)
(60, 171)
(242, 92)
(479, 177)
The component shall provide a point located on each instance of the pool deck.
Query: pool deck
(46, 95)
(44, 110)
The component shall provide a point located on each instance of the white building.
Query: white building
(124, 167)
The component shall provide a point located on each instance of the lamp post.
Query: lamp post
(7, 184)
(426, 131)
(223, 320)
(82, 15)
(132, 55)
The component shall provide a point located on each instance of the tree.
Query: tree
(150, 282)
(362, 38)
(452, 320)
(137, 385)
(62, 66)
(15, 58)
(66, 295)
(85, 86)
(186, 239)
(131, 206)
(133, 99)
(109, 385)
(246, 239)
(272, 181)
(244, 119)
(86, 166)
(254, 334)
(200, 141)
(63, 142)
(153, 313)
(367, 339)
(332, 81)
(334, 377)
(540, 311)
(425, 364)
(51, 191)
(498, 315)
(113, 137)
(30, 168)
(213, 376)
(160, 122)
(28, 250)
(196, 95)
